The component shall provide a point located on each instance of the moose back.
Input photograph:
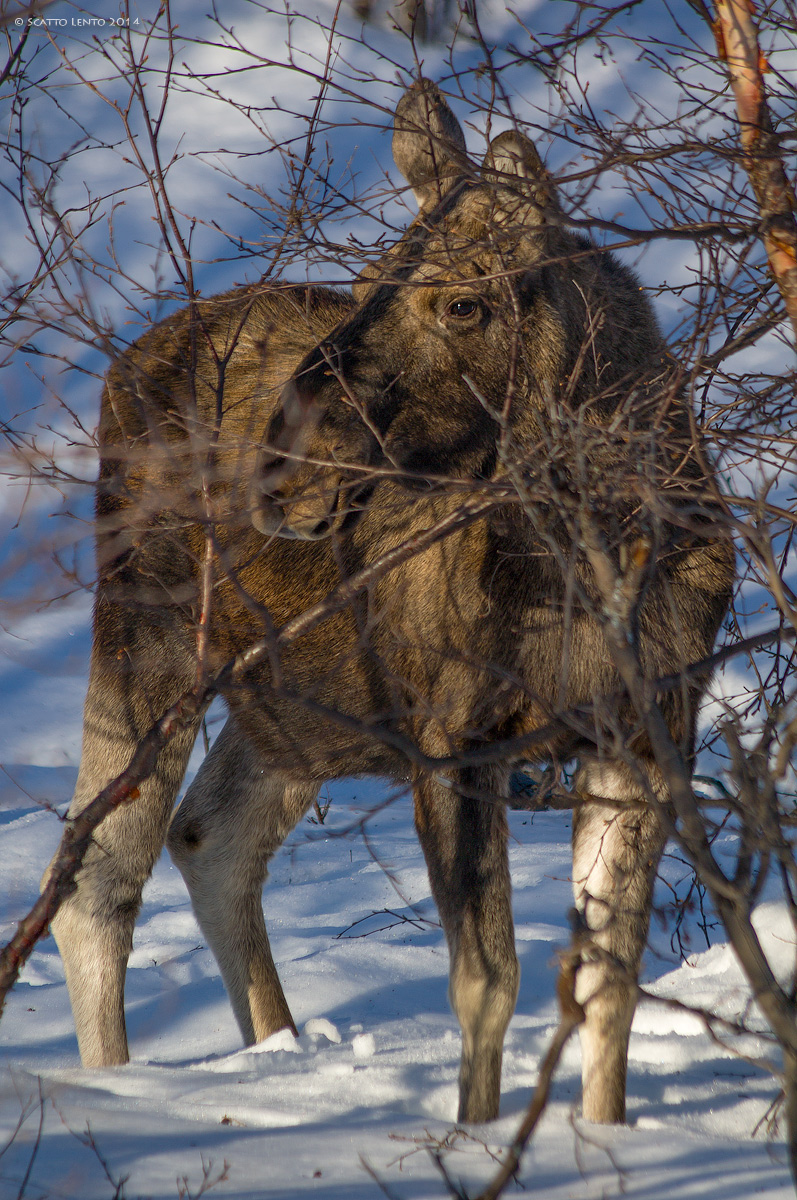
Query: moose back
(260, 449)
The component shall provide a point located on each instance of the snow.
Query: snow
(373, 1074)
(372, 1078)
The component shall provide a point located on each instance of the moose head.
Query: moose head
(485, 309)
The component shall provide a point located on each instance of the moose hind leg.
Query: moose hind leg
(236, 813)
(94, 925)
(616, 849)
(464, 836)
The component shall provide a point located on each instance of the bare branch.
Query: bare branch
(738, 45)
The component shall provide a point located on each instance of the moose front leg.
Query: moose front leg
(462, 829)
(616, 849)
(236, 813)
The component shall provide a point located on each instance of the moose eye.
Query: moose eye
(461, 309)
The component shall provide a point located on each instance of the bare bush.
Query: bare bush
(115, 227)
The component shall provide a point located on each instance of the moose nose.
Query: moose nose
(271, 519)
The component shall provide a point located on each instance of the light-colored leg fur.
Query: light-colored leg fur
(236, 813)
(94, 926)
(616, 849)
(464, 841)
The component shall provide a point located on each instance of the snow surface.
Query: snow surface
(373, 1077)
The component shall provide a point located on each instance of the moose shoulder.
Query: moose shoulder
(303, 435)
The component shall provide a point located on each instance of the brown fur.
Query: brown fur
(489, 341)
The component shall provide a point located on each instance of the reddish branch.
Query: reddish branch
(77, 837)
(737, 42)
(79, 830)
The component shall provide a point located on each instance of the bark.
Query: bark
(737, 40)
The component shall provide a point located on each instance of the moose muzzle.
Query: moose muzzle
(302, 490)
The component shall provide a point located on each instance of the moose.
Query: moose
(261, 448)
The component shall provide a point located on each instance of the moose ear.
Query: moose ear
(428, 143)
(512, 158)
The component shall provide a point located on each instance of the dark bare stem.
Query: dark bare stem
(37, 1141)
(733, 904)
(572, 1015)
